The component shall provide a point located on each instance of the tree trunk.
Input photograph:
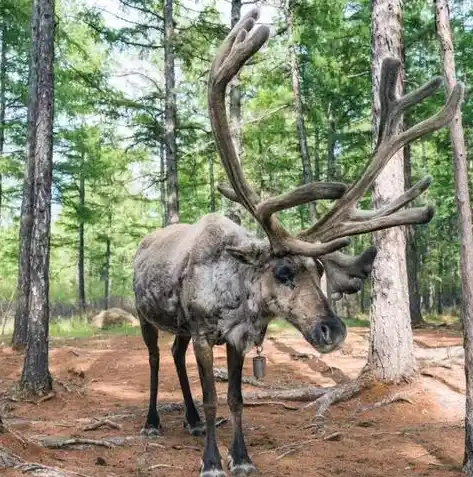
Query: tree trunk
(106, 296)
(464, 223)
(299, 110)
(316, 169)
(331, 141)
(170, 116)
(3, 77)
(412, 258)
(162, 185)
(80, 264)
(212, 183)
(235, 91)
(35, 377)
(26, 215)
(391, 352)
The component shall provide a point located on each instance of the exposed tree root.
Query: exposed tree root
(270, 403)
(399, 397)
(7, 459)
(308, 393)
(221, 375)
(344, 392)
(74, 441)
(101, 423)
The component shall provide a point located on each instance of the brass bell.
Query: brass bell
(259, 364)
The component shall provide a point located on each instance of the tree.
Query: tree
(460, 166)
(170, 115)
(35, 377)
(391, 352)
(296, 91)
(19, 338)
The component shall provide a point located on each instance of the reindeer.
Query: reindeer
(214, 283)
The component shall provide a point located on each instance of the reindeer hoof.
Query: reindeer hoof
(211, 472)
(150, 432)
(244, 469)
(197, 430)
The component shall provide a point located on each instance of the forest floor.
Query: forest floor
(108, 376)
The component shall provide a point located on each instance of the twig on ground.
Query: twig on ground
(46, 398)
(270, 403)
(60, 443)
(291, 448)
(399, 397)
(179, 447)
(51, 471)
(100, 423)
(163, 466)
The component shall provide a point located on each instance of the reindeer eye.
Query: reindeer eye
(284, 274)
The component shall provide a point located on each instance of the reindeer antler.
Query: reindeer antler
(331, 232)
(343, 218)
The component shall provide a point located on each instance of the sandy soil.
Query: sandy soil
(108, 375)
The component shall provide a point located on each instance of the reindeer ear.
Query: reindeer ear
(346, 274)
(249, 253)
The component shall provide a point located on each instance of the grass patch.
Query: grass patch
(357, 321)
(76, 327)
(70, 328)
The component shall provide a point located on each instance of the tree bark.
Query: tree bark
(80, 264)
(162, 184)
(3, 77)
(464, 222)
(299, 110)
(412, 256)
(331, 141)
(108, 246)
(391, 351)
(235, 90)
(212, 183)
(26, 215)
(170, 115)
(35, 377)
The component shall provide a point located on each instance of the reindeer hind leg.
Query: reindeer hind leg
(192, 419)
(150, 337)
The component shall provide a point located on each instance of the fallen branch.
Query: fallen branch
(386, 402)
(101, 423)
(270, 403)
(74, 441)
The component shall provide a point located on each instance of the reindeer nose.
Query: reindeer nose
(325, 334)
(330, 332)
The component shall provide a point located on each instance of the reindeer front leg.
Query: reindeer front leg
(239, 463)
(211, 460)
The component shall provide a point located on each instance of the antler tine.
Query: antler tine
(343, 218)
(241, 43)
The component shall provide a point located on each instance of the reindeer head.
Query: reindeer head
(292, 265)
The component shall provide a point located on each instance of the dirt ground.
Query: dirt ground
(108, 376)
